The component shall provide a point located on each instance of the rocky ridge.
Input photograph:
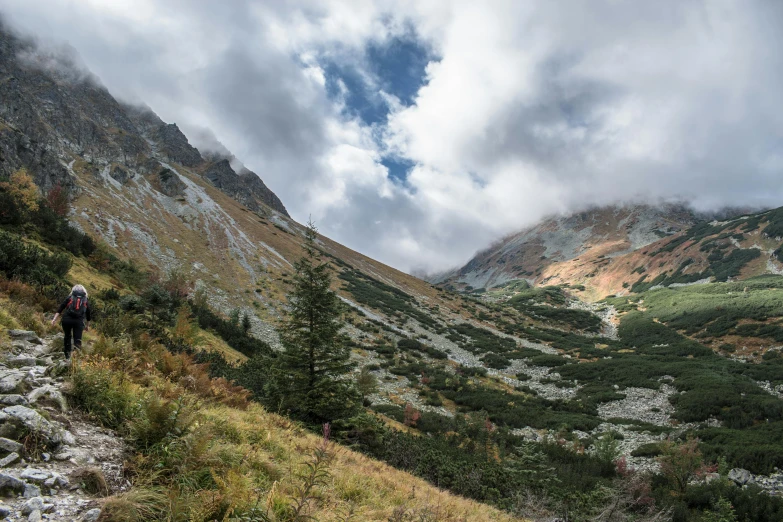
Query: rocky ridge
(55, 461)
(53, 112)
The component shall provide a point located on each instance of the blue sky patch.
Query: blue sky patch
(397, 67)
(400, 66)
(398, 167)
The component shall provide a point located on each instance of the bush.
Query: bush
(651, 449)
(548, 360)
(103, 393)
(495, 361)
(34, 265)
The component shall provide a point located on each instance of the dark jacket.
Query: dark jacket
(64, 305)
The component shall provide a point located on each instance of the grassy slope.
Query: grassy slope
(260, 454)
(604, 274)
(710, 313)
(194, 236)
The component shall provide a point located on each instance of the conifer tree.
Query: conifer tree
(310, 378)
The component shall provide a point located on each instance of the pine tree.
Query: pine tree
(310, 378)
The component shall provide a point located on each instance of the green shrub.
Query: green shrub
(495, 361)
(651, 449)
(548, 360)
(104, 394)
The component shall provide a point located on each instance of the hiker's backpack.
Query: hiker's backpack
(77, 306)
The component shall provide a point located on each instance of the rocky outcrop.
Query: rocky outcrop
(44, 446)
(55, 117)
(57, 108)
(168, 140)
(174, 145)
(260, 191)
(169, 183)
(247, 187)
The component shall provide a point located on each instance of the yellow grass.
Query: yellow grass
(372, 487)
(257, 458)
(82, 273)
(212, 343)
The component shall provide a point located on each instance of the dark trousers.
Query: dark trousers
(70, 328)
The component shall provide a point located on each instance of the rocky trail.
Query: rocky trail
(54, 462)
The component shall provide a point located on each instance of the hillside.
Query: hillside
(543, 401)
(614, 250)
(139, 186)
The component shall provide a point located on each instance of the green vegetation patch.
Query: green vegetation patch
(480, 340)
(386, 298)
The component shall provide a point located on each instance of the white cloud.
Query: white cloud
(532, 107)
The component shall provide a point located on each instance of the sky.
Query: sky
(419, 131)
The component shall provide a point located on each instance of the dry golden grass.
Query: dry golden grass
(81, 272)
(251, 456)
(212, 343)
(373, 488)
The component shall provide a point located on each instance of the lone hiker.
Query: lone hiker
(76, 318)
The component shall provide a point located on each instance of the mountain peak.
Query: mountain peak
(68, 119)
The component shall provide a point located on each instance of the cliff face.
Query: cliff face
(54, 115)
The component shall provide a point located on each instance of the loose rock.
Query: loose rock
(35, 475)
(25, 335)
(9, 459)
(31, 491)
(10, 446)
(34, 504)
(10, 484)
(91, 516)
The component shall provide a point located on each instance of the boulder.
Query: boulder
(10, 485)
(10, 380)
(35, 516)
(25, 335)
(4, 511)
(91, 515)
(20, 361)
(740, 476)
(12, 399)
(33, 504)
(51, 394)
(24, 418)
(9, 446)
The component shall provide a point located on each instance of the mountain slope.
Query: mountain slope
(54, 113)
(589, 235)
(609, 250)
